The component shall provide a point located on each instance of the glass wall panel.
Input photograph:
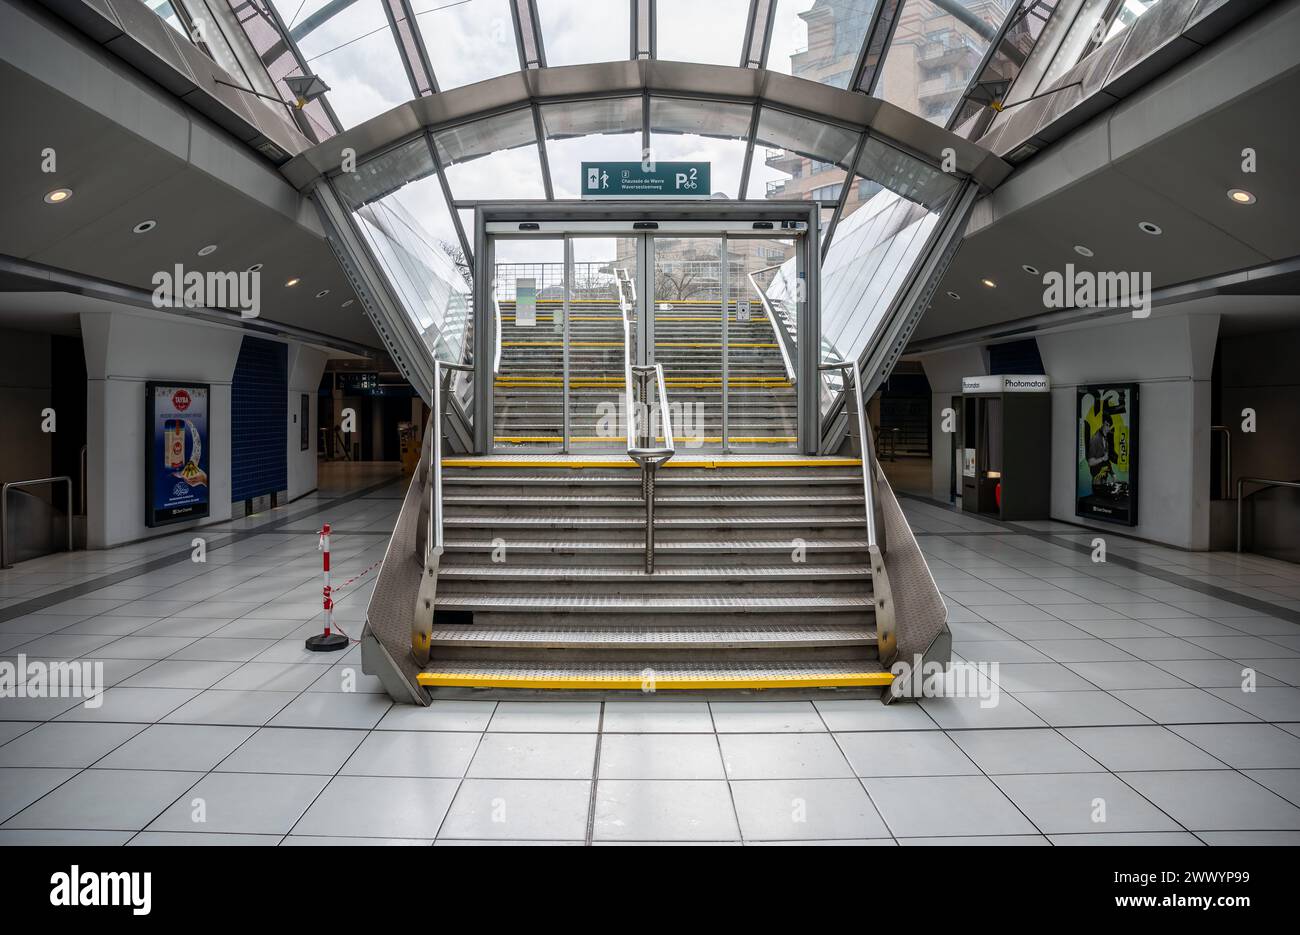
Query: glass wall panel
(577, 31)
(936, 48)
(708, 131)
(819, 39)
(1027, 25)
(762, 346)
(876, 245)
(528, 391)
(602, 281)
(467, 40)
(351, 47)
(691, 31)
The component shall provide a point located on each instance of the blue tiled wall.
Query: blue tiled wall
(259, 420)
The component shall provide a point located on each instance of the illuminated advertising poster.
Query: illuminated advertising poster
(1106, 456)
(177, 456)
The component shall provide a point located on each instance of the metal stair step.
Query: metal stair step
(549, 573)
(701, 637)
(653, 603)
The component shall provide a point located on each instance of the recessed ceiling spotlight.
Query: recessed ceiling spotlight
(322, 293)
(953, 295)
(1031, 270)
(346, 304)
(208, 250)
(144, 227)
(1082, 250)
(1148, 228)
(256, 267)
(293, 282)
(1239, 195)
(58, 196)
(990, 283)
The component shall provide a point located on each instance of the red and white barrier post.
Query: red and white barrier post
(327, 642)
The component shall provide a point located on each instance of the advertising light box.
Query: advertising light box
(177, 452)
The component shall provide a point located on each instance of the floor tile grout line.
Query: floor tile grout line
(861, 781)
(595, 776)
(726, 773)
(496, 706)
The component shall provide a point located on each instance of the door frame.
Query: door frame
(799, 220)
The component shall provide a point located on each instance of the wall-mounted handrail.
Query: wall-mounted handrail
(422, 620)
(496, 354)
(643, 441)
(881, 588)
(84, 510)
(783, 339)
(4, 510)
(1264, 483)
(1225, 481)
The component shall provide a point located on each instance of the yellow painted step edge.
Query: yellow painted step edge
(635, 682)
(504, 461)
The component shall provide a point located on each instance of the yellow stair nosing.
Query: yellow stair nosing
(636, 682)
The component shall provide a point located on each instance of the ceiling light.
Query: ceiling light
(346, 304)
(58, 196)
(1239, 195)
(1082, 250)
(293, 282)
(953, 295)
(1031, 270)
(990, 283)
(254, 268)
(322, 293)
(1148, 228)
(144, 227)
(208, 250)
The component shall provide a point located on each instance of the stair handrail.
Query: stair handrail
(877, 546)
(1265, 483)
(496, 355)
(783, 339)
(422, 620)
(642, 443)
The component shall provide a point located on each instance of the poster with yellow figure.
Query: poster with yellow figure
(1106, 463)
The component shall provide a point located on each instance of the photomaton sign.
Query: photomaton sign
(646, 180)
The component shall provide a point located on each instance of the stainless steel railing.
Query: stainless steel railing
(886, 633)
(1264, 483)
(4, 510)
(646, 445)
(783, 339)
(422, 621)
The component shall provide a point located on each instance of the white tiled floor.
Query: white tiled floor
(1121, 718)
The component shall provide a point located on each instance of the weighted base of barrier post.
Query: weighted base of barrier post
(327, 643)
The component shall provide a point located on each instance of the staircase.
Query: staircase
(761, 579)
(528, 396)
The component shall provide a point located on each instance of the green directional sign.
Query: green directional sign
(646, 180)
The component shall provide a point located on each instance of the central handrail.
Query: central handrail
(422, 621)
(782, 332)
(642, 442)
(496, 355)
(1265, 483)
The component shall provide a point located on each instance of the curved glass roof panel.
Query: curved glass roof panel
(492, 158)
(712, 32)
(937, 46)
(467, 40)
(350, 46)
(819, 39)
(688, 130)
(607, 129)
(578, 31)
(798, 158)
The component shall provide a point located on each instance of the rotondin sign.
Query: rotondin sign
(646, 180)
